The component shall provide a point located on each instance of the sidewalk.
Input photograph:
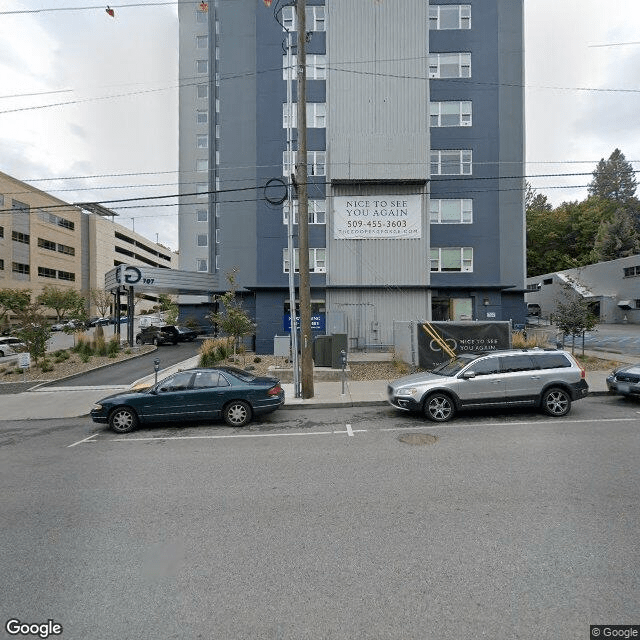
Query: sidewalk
(72, 402)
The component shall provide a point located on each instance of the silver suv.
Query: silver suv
(546, 379)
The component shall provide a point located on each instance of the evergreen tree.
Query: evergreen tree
(617, 238)
(614, 179)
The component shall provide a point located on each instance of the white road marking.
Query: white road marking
(81, 441)
(350, 430)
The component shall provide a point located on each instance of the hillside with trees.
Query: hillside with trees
(604, 226)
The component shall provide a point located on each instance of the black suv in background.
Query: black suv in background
(158, 335)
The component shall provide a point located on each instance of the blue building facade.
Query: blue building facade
(415, 137)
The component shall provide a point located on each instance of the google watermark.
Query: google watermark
(614, 631)
(15, 627)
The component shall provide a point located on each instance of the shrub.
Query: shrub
(85, 357)
(257, 359)
(45, 366)
(113, 347)
(520, 340)
(100, 346)
(213, 351)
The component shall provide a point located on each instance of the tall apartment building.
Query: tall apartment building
(46, 241)
(415, 137)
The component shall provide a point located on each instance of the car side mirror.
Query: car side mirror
(469, 375)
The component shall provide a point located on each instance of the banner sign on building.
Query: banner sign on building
(440, 341)
(318, 322)
(367, 217)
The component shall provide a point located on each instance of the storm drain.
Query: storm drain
(418, 438)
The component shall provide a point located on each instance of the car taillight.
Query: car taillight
(274, 391)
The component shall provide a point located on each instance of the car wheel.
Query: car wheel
(156, 342)
(123, 420)
(556, 402)
(1, 354)
(237, 413)
(439, 407)
(138, 340)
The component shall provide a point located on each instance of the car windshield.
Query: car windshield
(245, 376)
(454, 366)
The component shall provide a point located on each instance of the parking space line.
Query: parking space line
(81, 441)
(349, 430)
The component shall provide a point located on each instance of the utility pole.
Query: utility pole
(303, 208)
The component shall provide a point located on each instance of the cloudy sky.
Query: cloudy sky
(88, 103)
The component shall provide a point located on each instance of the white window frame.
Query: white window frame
(202, 215)
(202, 265)
(202, 190)
(316, 67)
(316, 115)
(202, 90)
(464, 162)
(202, 67)
(464, 109)
(316, 163)
(202, 141)
(317, 210)
(315, 18)
(435, 14)
(202, 116)
(465, 255)
(465, 213)
(317, 260)
(202, 42)
(437, 61)
(202, 165)
(202, 240)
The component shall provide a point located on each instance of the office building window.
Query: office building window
(314, 18)
(202, 116)
(20, 268)
(316, 209)
(202, 215)
(202, 66)
(450, 16)
(202, 42)
(202, 240)
(202, 164)
(451, 163)
(16, 205)
(452, 259)
(630, 272)
(24, 238)
(203, 90)
(66, 275)
(1, 264)
(201, 264)
(449, 65)
(47, 244)
(450, 114)
(316, 163)
(201, 16)
(68, 251)
(316, 67)
(202, 190)
(451, 211)
(202, 141)
(44, 272)
(316, 115)
(317, 260)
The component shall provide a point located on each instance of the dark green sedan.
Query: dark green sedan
(195, 394)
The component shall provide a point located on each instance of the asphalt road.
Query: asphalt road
(335, 523)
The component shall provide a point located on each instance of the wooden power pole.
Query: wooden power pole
(306, 361)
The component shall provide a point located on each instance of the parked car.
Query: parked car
(148, 321)
(185, 334)
(548, 379)
(102, 322)
(158, 335)
(195, 394)
(625, 381)
(10, 345)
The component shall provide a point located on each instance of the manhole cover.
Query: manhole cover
(418, 438)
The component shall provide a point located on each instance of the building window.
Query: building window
(452, 259)
(451, 163)
(1, 264)
(317, 260)
(314, 18)
(57, 220)
(202, 116)
(16, 205)
(201, 264)
(316, 115)
(202, 141)
(203, 90)
(66, 275)
(449, 65)
(452, 16)
(202, 240)
(316, 163)
(46, 244)
(1, 232)
(202, 165)
(450, 114)
(218, 236)
(202, 215)
(24, 238)
(636, 302)
(202, 42)
(202, 66)
(316, 210)
(202, 190)
(69, 251)
(316, 67)
(451, 211)
(43, 272)
(630, 272)
(201, 16)
(20, 268)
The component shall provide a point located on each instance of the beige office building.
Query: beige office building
(46, 241)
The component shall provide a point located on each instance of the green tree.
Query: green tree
(13, 301)
(168, 308)
(614, 179)
(63, 302)
(233, 320)
(34, 329)
(101, 300)
(573, 314)
(617, 238)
